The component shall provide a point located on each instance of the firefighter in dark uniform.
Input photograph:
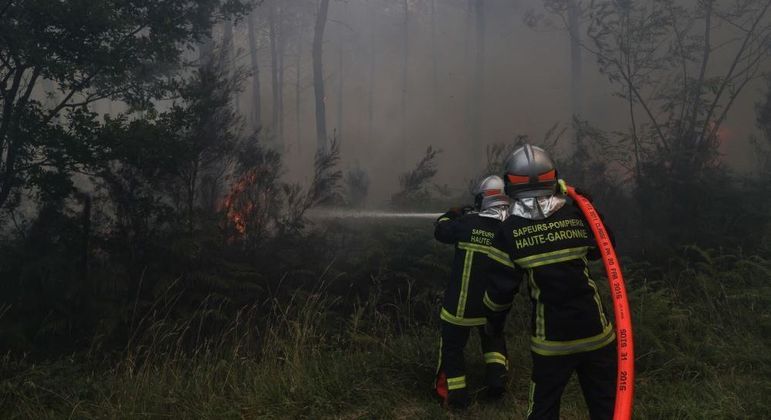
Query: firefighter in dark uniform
(472, 232)
(550, 243)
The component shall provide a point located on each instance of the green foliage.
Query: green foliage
(325, 188)
(81, 52)
(416, 184)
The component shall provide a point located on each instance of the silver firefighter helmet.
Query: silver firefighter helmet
(489, 192)
(530, 172)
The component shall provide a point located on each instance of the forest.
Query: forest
(199, 198)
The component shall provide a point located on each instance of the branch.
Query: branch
(738, 56)
(644, 104)
(684, 65)
(635, 139)
(4, 81)
(95, 97)
(28, 90)
(5, 127)
(10, 96)
(702, 71)
(725, 17)
(734, 94)
(85, 82)
(628, 80)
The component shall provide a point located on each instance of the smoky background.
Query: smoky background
(400, 76)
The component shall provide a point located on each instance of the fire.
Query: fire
(246, 206)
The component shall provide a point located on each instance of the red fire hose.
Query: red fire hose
(625, 345)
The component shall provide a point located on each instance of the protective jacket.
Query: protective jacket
(552, 255)
(472, 234)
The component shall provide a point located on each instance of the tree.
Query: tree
(763, 121)
(297, 80)
(434, 60)
(371, 78)
(574, 29)
(660, 56)
(256, 90)
(276, 68)
(477, 93)
(405, 65)
(116, 49)
(318, 77)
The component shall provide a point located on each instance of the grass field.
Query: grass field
(702, 328)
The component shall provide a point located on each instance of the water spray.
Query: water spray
(624, 343)
(338, 213)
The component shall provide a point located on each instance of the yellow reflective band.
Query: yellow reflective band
(495, 307)
(456, 383)
(561, 348)
(443, 219)
(597, 299)
(464, 279)
(494, 253)
(495, 357)
(445, 315)
(563, 186)
(535, 293)
(530, 399)
(552, 257)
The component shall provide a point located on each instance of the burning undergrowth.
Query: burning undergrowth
(259, 206)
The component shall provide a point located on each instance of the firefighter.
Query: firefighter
(550, 243)
(471, 230)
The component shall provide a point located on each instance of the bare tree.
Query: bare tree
(371, 79)
(297, 80)
(659, 54)
(477, 94)
(576, 84)
(281, 46)
(275, 69)
(229, 56)
(434, 64)
(256, 91)
(318, 77)
(340, 84)
(405, 65)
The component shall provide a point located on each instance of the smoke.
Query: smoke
(339, 213)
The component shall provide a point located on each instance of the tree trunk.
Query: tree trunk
(281, 55)
(276, 90)
(253, 51)
(434, 66)
(371, 81)
(340, 82)
(229, 56)
(468, 86)
(86, 231)
(318, 77)
(574, 28)
(405, 63)
(9, 127)
(478, 89)
(297, 87)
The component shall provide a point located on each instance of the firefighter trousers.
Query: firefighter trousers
(451, 373)
(596, 373)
